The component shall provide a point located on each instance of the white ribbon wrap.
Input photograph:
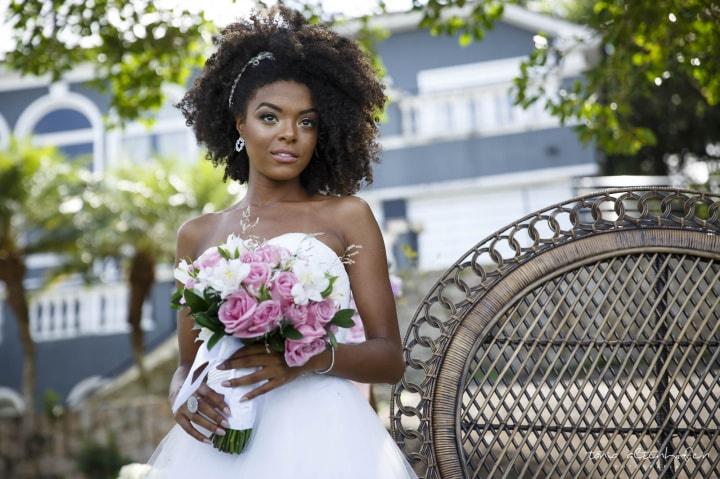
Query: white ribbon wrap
(242, 414)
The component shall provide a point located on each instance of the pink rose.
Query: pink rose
(311, 331)
(237, 310)
(296, 313)
(264, 319)
(281, 287)
(268, 254)
(208, 259)
(250, 257)
(299, 352)
(322, 312)
(257, 277)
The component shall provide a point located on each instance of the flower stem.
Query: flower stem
(233, 442)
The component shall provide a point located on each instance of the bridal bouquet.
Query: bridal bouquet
(246, 292)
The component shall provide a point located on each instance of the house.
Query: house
(459, 161)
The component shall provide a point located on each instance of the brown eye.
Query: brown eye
(309, 122)
(267, 117)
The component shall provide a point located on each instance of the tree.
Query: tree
(652, 91)
(39, 199)
(134, 46)
(138, 209)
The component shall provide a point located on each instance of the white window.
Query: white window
(67, 120)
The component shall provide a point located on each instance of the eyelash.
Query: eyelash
(312, 124)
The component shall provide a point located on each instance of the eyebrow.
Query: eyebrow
(275, 107)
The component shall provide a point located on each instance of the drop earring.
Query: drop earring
(239, 144)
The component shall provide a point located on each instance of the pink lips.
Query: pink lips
(284, 156)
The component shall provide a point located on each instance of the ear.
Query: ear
(240, 126)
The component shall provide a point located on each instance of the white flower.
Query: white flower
(204, 335)
(134, 471)
(226, 276)
(234, 243)
(311, 283)
(181, 272)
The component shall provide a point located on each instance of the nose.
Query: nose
(288, 131)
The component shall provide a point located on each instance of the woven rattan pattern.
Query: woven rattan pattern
(570, 333)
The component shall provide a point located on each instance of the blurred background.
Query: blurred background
(497, 109)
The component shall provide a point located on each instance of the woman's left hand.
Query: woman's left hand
(272, 366)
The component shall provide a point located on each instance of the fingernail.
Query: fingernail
(226, 383)
(207, 441)
(220, 366)
(226, 410)
(220, 431)
(225, 424)
(243, 399)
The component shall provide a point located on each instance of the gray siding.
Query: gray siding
(13, 103)
(481, 157)
(406, 53)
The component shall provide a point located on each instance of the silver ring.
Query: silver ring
(192, 404)
(267, 349)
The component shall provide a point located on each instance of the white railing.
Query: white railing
(82, 311)
(483, 111)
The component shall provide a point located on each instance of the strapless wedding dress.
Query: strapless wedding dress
(315, 427)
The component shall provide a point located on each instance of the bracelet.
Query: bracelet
(332, 362)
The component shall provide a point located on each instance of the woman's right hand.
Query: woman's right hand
(211, 414)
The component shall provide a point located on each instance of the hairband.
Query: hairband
(253, 61)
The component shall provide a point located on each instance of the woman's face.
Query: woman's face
(280, 129)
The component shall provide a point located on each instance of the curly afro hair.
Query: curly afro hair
(344, 87)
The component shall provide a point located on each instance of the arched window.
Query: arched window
(84, 389)
(11, 403)
(67, 120)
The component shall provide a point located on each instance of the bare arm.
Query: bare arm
(211, 404)
(379, 359)
(184, 249)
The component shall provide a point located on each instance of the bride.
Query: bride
(290, 109)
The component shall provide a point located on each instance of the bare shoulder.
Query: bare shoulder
(345, 210)
(190, 235)
(355, 219)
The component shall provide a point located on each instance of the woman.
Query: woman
(290, 109)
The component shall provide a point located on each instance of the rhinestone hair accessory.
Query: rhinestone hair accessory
(254, 61)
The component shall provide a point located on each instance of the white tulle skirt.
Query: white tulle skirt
(315, 427)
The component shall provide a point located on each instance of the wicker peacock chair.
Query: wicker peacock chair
(580, 341)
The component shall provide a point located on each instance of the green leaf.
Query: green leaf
(224, 253)
(205, 321)
(332, 339)
(343, 318)
(211, 295)
(175, 298)
(195, 302)
(291, 333)
(264, 293)
(326, 292)
(214, 339)
(276, 343)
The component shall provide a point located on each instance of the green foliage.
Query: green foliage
(653, 86)
(133, 46)
(39, 200)
(468, 28)
(52, 404)
(100, 461)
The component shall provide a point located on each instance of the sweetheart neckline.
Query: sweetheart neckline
(307, 235)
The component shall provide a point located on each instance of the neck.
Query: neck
(263, 192)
